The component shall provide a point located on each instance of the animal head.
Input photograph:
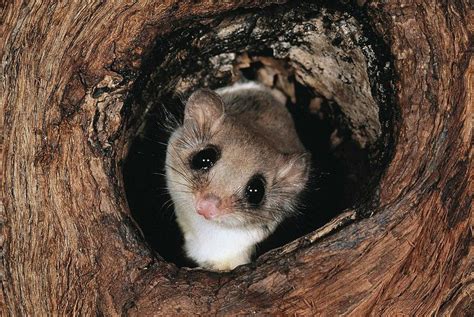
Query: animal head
(224, 170)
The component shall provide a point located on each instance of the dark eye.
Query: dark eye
(255, 190)
(205, 159)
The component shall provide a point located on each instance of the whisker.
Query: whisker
(179, 183)
(180, 173)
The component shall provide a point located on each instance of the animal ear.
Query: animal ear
(203, 106)
(295, 170)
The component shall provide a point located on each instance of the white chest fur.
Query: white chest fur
(215, 246)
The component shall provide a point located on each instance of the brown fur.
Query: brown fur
(254, 134)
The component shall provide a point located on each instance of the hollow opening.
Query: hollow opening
(337, 80)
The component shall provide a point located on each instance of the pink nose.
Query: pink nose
(208, 206)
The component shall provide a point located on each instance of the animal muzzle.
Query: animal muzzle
(209, 206)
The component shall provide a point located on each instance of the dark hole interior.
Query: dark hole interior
(345, 175)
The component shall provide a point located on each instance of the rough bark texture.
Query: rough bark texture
(69, 246)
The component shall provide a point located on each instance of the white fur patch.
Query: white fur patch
(240, 86)
(220, 247)
(252, 85)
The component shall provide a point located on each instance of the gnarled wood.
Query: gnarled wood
(69, 245)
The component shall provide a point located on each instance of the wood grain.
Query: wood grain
(69, 245)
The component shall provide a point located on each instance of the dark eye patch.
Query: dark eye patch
(255, 190)
(205, 159)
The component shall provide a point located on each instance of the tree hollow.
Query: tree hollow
(74, 83)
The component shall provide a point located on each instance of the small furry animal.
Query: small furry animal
(235, 169)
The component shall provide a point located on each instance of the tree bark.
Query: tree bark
(70, 246)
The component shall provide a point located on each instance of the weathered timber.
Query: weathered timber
(69, 245)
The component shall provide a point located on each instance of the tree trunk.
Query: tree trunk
(70, 246)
